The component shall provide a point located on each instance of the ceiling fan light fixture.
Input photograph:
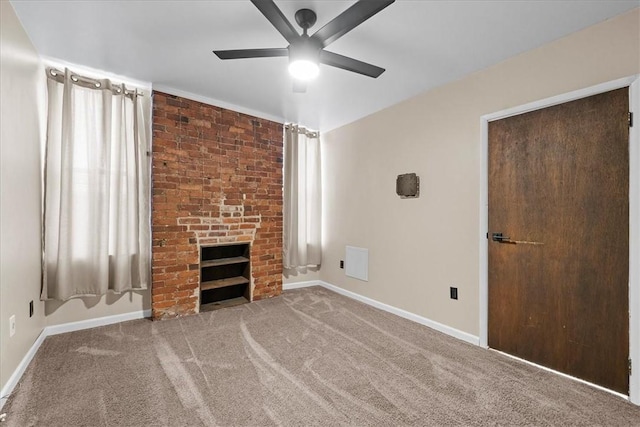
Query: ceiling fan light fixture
(306, 51)
(303, 69)
(304, 57)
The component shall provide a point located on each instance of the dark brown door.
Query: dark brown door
(558, 186)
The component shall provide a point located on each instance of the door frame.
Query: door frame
(634, 212)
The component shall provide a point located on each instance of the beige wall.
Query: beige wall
(22, 109)
(21, 90)
(420, 247)
(86, 308)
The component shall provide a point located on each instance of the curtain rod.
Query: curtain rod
(302, 130)
(90, 83)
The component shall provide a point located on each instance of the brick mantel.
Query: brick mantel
(217, 178)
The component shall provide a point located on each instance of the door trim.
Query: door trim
(634, 212)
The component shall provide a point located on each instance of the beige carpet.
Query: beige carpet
(309, 357)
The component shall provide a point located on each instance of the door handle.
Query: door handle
(500, 238)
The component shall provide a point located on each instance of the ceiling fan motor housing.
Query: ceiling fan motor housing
(305, 48)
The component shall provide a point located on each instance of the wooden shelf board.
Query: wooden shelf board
(223, 283)
(224, 261)
(222, 304)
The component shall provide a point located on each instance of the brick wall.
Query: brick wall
(217, 178)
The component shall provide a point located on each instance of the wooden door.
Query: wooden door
(558, 185)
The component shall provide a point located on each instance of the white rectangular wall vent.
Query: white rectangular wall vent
(357, 263)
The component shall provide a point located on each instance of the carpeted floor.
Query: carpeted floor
(309, 357)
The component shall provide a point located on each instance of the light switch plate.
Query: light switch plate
(12, 325)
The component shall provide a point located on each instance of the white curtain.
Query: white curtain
(302, 198)
(96, 190)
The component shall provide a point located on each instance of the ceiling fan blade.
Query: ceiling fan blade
(350, 64)
(349, 19)
(251, 53)
(277, 19)
(299, 87)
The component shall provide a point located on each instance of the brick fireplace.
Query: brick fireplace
(217, 179)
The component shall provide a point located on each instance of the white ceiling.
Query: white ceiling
(422, 44)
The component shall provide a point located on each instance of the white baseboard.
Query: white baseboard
(94, 323)
(22, 366)
(456, 333)
(298, 285)
(61, 329)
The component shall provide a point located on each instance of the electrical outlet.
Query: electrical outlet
(453, 292)
(12, 325)
(31, 308)
(341, 264)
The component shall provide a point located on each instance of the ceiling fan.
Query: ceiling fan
(306, 52)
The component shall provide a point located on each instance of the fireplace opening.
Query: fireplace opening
(225, 276)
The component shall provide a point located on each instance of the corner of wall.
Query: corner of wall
(22, 81)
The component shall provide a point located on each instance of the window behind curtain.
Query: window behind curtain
(96, 216)
(302, 199)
